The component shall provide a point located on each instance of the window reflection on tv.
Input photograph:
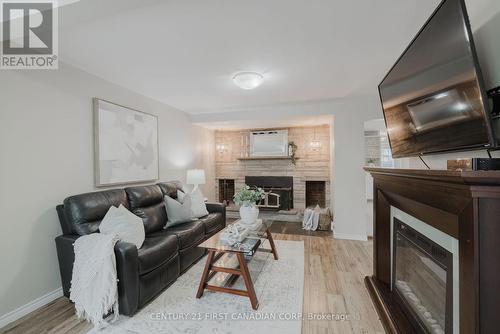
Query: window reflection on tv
(432, 97)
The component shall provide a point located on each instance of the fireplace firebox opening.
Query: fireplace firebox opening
(423, 279)
(315, 193)
(278, 189)
(226, 191)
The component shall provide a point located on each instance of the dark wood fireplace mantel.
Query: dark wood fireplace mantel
(465, 205)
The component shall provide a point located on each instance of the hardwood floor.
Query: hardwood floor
(333, 286)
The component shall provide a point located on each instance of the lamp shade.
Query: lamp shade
(195, 176)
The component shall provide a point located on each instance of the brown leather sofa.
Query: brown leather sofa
(166, 253)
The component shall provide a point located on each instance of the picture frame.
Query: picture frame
(126, 145)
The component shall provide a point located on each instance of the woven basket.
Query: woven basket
(325, 219)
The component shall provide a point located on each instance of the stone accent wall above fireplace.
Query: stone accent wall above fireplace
(313, 164)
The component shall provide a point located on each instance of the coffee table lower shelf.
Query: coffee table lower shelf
(229, 266)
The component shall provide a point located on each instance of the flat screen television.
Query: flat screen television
(433, 97)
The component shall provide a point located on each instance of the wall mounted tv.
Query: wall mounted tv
(433, 97)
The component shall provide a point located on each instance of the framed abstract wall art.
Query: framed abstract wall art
(125, 145)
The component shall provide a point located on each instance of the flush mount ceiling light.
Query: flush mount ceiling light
(248, 80)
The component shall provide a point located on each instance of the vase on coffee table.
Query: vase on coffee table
(249, 214)
(247, 198)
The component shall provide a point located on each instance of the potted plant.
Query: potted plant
(371, 162)
(247, 198)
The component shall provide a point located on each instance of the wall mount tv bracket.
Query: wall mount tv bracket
(494, 94)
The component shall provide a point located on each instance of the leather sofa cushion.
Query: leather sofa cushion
(188, 234)
(170, 188)
(213, 222)
(156, 251)
(153, 283)
(83, 213)
(147, 203)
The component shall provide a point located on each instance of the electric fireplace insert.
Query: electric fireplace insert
(423, 279)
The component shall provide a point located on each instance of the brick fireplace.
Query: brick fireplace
(313, 164)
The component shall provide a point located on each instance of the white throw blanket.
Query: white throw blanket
(311, 218)
(94, 284)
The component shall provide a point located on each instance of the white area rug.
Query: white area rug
(279, 286)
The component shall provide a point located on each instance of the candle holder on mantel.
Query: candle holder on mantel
(245, 144)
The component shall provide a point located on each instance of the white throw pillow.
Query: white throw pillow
(177, 212)
(123, 223)
(180, 195)
(186, 189)
(198, 207)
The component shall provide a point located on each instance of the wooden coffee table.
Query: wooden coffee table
(226, 263)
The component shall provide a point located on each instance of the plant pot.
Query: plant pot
(249, 214)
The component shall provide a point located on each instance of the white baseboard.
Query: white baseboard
(348, 236)
(20, 312)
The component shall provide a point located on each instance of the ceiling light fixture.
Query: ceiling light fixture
(248, 80)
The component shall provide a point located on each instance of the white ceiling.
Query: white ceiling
(183, 53)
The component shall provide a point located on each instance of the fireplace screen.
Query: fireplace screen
(423, 279)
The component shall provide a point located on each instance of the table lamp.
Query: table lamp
(195, 177)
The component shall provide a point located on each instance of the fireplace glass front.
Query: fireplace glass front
(423, 279)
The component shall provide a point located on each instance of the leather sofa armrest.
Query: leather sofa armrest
(66, 257)
(217, 207)
(127, 269)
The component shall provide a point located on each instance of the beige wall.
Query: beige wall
(205, 153)
(46, 153)
(310, 166)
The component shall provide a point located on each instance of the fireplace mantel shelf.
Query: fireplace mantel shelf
(458, 177)
(267, 158)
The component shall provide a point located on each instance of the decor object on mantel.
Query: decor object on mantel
(455, 215)
(269, 143)
(247, 198)
(125, 145)
(292, 150)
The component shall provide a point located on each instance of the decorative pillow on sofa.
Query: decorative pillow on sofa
(127, 226)
(185, 188)
(198, 207)
(178, 212)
